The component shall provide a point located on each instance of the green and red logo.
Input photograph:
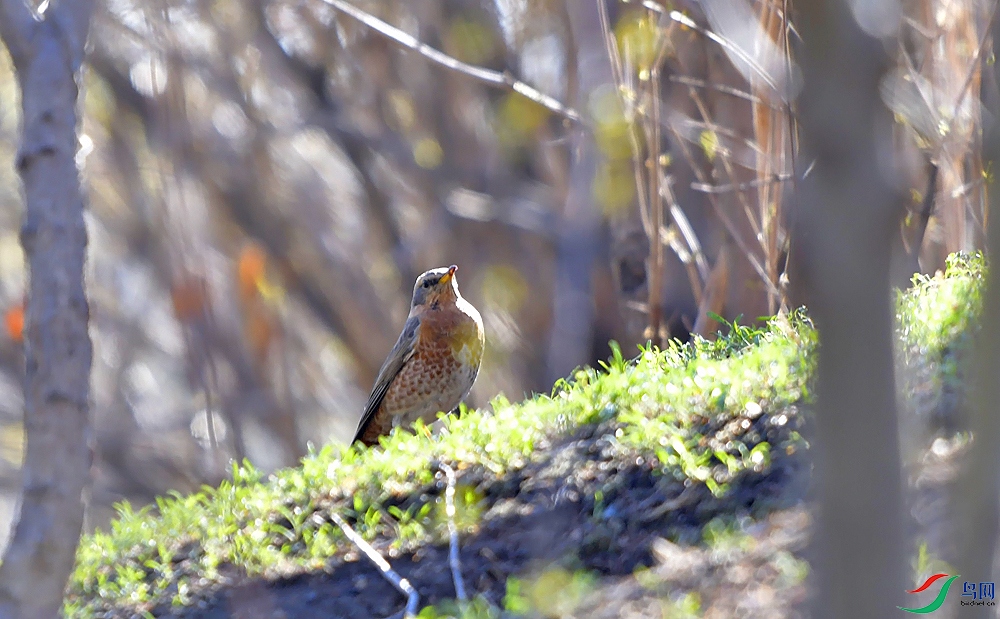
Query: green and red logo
(938, 601)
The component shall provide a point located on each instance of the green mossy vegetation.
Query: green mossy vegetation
(670, 406)
(936, 319)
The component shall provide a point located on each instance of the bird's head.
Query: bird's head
(435, 287)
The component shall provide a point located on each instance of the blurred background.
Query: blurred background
(267, 178)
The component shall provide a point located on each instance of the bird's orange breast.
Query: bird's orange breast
(445, 362)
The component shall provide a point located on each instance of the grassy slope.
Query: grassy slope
(709, 415)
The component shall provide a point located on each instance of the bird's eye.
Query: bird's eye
(427, 283)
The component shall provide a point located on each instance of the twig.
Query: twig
(647, 187)
(707, 188)
(656, 210)
(714, 298)
(926, 210)
(688, 123)
(659, 8)
(687, 80)
(402, 585)
(656, 197)
(688, 233)
(793, 142)
(721, 214)
(449, 510)
(686, 21)
(628, 111)
(725, 156)
(793, 134)
(975, 61)
(691, 254)
(769, 129)
(496, 79)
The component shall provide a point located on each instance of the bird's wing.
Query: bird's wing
(400, 354)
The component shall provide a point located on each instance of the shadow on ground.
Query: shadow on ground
(580, 506)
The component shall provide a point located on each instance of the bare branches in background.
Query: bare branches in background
(493, 78)
(934, 92)
(730, 127)
(47, 54)
(731, 135)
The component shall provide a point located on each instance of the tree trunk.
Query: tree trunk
(47, 52)
(977, 507)
(847, 210)
(579, 227)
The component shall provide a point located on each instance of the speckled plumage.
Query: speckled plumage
(434, 363)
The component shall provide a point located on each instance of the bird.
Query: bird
(434, 363)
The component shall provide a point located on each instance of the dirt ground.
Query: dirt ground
(545, 521)
(582, 507)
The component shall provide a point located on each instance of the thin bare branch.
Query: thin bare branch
(919, 28)
(401, 584)
(724, 89)
(656, 207)
(726, 158)
(706, 188)
(770, 127)
(687, 232)
(689, 252)
(692, 130)
(974, 62)
(628, 110)
(672, 237)
(723, 217)
(793, 133)
(714, 298)
(926, 209)
(492, 78)
(687, 22)
(609, 41)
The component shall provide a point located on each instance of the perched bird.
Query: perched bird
(435, 360)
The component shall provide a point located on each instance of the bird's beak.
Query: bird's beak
(447, 276)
